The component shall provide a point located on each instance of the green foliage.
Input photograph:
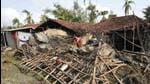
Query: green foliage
(147, 13)
(44, 17)
(127, 6)
(61, 13)
(77, 14)
(16, 22)
(28, 19)
(93, 13)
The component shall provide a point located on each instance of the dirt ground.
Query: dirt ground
(10, 73)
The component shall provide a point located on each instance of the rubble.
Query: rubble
(60, 62)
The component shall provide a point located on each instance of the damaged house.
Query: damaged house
(125, 33)
(64, 63)
(42, 32)
(18, 36)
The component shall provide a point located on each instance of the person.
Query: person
(78, 41)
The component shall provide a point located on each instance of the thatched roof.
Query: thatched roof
(74, 26)
(119, 23)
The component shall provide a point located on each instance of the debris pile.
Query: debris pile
(60, 62)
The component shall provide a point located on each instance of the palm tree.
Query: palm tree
(28, 19)
(127, 6)
(16, 22)
(147, 13)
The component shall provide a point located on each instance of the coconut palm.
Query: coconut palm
(16, 22)
(127, 6)
(28, 19)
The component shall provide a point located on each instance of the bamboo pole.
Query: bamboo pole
(133, 38)
(125, 36)
(128, 40)
(94, 72)
(110, 69)
(141, 42)
(113, 37)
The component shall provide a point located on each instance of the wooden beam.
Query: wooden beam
(113, 38)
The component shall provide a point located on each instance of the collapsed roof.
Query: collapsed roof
(119, 23)
(63, 63)
(73, 26)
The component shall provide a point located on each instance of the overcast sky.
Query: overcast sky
(13, 8)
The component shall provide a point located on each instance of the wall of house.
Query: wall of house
(10, 40)
(23, 37)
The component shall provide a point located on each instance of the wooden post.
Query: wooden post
(17, 38)
(113, 38)
(140, 39)
(4, 38)
(125, 36)
(30, 30)
(133, 39)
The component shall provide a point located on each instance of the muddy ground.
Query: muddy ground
(11, 74)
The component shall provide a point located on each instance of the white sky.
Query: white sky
(13, 8)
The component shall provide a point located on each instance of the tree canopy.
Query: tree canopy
(77, 14)
(147, 13)
(127, 6)
(28, 19)
(16, 22)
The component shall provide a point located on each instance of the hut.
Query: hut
(41, 32)
(125, 33)
(17, 36)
